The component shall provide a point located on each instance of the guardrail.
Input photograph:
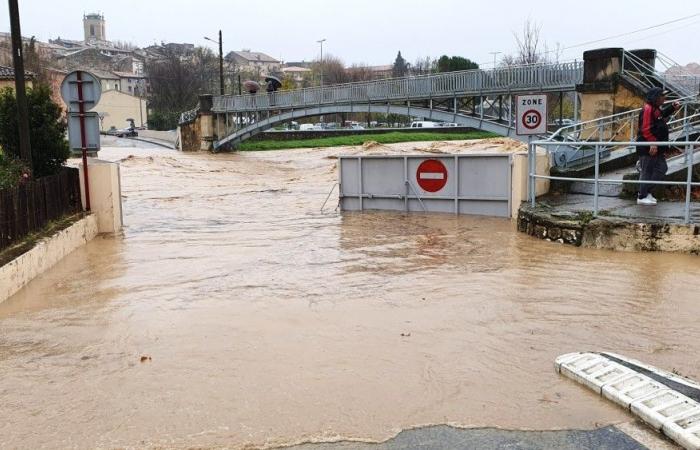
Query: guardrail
(580, 135)
(596, 180)
(507, 80)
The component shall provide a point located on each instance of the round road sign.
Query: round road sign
(81, 91)
(532, 119)
(431, 175)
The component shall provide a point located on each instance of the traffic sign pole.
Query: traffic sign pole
(83, 139)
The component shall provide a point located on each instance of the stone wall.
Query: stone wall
(190, 136)
(565, 229)
(608, 233)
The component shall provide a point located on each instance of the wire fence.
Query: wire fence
(29, 207)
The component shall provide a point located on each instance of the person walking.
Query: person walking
(653, 127)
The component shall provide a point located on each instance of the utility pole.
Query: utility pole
(25, 149)
(221, 64)
(221, 61)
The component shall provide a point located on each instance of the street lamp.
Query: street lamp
(321, 42)
(221, 61)
(494, 58)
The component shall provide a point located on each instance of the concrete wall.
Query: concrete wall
(118, 106)
(520, 177)
(105, 194)
(20, 271)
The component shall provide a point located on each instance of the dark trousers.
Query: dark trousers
(653, 168)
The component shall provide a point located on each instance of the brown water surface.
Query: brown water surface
(268, 321)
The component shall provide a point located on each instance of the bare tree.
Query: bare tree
(529, 43)
(176, 83)
(359, 72)
(332, 68)
(424, 66)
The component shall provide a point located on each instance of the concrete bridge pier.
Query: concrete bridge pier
(206, 122)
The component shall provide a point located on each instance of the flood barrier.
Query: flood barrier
(478, 184)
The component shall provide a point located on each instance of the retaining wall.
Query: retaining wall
(46, 253)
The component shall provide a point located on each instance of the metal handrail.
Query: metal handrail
(508, 79)
(596, 180)
(188, 116)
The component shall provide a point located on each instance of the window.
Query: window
(129, 89)
(92, 30)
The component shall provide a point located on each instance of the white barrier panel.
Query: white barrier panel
(460, 184)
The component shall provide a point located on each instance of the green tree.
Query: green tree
(455, 63)
(46, 126)
(400, 68)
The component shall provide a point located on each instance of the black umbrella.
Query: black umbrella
(273, 83)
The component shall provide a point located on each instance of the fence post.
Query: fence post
(689, 162)
(595, 185)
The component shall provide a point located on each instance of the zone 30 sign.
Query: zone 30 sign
(531, 114)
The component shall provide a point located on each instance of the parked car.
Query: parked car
(129, 131)
(424, 124)
(356, 127)
(563, 122)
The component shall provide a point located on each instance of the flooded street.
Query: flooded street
(269, 322)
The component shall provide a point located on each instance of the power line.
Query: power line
(632, 32)
(640, 30)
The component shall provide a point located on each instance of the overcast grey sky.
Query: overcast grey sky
(372, 31)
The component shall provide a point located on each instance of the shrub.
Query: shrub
(163, 121)
(47, 130)
(11, 171)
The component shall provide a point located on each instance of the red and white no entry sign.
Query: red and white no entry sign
(431, 175)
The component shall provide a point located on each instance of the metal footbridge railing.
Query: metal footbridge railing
(507, 80)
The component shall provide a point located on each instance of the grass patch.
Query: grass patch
(31, 240)
(359, 139)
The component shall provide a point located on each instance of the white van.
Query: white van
(424, 124)
(309, 127)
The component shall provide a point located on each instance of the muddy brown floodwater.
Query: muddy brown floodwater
(270, 322)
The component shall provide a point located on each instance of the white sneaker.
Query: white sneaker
(648, 201)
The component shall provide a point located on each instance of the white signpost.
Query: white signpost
(531, 112)
(531, 120)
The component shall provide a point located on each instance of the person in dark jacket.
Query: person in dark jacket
(653, 128)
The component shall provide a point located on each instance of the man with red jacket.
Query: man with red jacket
(653, 128)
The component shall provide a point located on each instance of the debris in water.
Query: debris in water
(405, 334)
(145, 358)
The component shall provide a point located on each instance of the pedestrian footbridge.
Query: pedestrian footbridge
(609, 85)
(481, 99)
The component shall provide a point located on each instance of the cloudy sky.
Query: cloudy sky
(372, 31)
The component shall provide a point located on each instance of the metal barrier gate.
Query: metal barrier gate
(477, 183)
